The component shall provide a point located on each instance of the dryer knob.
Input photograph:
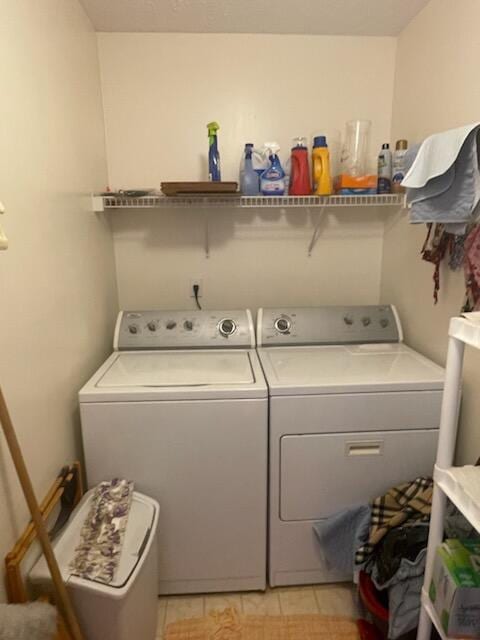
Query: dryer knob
(133, 328)
(227, 327)
(384, 323)
(188, 325)
(282, 325)
(152, 326)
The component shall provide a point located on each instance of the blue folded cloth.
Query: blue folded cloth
(443, 182)
(341, 534)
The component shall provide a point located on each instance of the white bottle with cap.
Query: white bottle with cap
(398, 163)
(384, 184)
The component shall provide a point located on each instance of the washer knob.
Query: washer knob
(366, 321)
(188, 325)
(133, 328)
(227, 327)
(384, 323)
(151, 326)
(348, 320)
(171, 324)
(282, 325)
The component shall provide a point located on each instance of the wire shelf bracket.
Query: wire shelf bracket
(316, 229)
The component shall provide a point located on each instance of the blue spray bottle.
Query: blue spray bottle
(272, 181)
(213, 153)
(249, 180)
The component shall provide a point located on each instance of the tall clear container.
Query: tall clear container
(354, 157)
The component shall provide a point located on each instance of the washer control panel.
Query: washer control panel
(328, 325)
(184, 330)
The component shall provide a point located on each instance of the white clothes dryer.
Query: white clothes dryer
(353, 411)
(180, 408)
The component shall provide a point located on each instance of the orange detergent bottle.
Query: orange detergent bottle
(322, 180)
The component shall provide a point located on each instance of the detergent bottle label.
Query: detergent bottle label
(273, 186)
(273, 179)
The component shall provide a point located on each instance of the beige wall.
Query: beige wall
(57, 284)
(435, 89)
(160, 90)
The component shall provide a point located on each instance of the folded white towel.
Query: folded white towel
(436, 155)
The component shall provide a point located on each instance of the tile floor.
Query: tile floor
(331, 599)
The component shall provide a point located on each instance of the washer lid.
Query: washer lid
(177, 368)
(342, 369)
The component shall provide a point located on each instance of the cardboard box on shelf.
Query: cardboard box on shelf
(345, 181)
(455, 587)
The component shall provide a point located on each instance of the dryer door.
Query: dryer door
(321, 474)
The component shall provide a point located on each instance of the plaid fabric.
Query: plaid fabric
(411, 501)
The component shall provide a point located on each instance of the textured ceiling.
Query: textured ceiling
(321, 17)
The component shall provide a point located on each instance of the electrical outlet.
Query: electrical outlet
(199, 282)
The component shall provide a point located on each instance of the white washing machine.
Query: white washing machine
(181, 408)
(353, 411)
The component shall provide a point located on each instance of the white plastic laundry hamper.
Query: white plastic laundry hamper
(127, 607)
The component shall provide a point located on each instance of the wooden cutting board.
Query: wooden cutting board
(200, 188)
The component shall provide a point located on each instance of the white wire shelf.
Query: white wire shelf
(462, 486)
(319, 204)
(159, 201)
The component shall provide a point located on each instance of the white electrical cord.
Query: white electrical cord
(3, 237)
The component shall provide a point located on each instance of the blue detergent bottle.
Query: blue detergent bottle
(249, 180)
(272, 181)
(213, 153)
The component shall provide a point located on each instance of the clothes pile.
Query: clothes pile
(462, 251)
(388, 540)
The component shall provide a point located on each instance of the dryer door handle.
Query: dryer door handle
(364, 448)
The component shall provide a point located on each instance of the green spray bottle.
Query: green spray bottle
(213, 153)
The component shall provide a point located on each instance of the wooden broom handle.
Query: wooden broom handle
(63, 600)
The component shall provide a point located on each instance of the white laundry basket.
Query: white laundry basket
(127, 607)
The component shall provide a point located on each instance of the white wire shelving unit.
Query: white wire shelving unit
(459, 484)
(318, 206)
